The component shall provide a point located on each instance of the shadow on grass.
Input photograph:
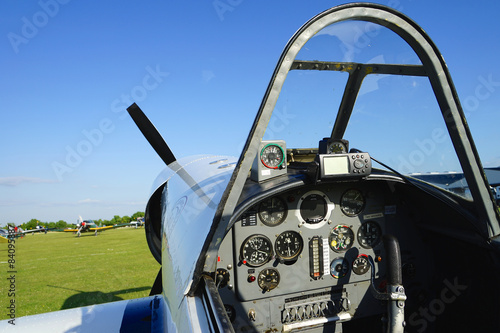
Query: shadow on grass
(84, 298)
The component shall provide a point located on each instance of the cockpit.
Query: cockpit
(357, 152)
(306, 246)
(358, 203)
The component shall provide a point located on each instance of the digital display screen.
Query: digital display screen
(335, 165)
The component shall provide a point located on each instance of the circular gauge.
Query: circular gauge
(339, 268)
(288, 245)
(336, 147)
(256, 250)
(341, 238)
(313, 208)
(360, 265)
(369, 234)
(268, 279)
(272, 156)
(352, 202)
(272, 211)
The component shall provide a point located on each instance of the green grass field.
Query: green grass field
(57, 270)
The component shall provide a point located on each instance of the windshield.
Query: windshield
(394, 114)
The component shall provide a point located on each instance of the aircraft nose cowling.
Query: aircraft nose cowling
(180, 212)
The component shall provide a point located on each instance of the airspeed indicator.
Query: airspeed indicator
(272, 211)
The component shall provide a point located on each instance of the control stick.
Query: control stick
(395, 293)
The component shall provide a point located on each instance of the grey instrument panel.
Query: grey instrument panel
(307, 239)
(299, 256)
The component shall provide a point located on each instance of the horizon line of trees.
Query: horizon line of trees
(61, 224)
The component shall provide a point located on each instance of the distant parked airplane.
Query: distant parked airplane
(87, 225)
(18, 231)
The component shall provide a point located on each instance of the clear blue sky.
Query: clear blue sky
(198, 69)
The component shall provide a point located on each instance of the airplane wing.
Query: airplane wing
(70, 230)
(138, 315)
(102, 228)
(33, 230)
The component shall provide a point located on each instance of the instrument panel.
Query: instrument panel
(310, 237)
(302, 254)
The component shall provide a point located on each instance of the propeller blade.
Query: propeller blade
(151, 134)
(157, 285)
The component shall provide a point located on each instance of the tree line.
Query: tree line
(61, 224)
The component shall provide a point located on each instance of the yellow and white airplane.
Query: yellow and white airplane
(87, 226)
